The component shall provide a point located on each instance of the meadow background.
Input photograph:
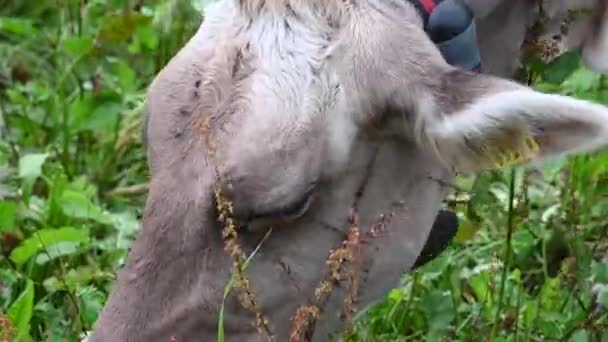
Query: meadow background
(527, 264)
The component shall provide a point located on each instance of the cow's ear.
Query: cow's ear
(487, 122)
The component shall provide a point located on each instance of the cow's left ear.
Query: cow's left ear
(486, 122)
(595, 49)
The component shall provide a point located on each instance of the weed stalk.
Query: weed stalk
(508, 252)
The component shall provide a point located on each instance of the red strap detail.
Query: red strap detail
(429, 5)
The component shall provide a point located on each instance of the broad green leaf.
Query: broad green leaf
(126, 77)
(550, 294)
(8, 211)
(600, 272)
(80, 109)
(92, 302)
(583, 258)
(466, 230)
(44, 238)
(531, 313)
(480, 280)
(78, 46)
(20, 26)
(104, 117)
(96, 112)
(562, 67)
(500, 339)
(17, 97)
(76, 205)
(439, 312)
(579, 336)
(30, 165)
(582, 81)
(20, 312)
(76, 278)
(118, 28)
(146, 39)
(57, 250)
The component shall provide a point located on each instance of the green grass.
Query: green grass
(73, 175)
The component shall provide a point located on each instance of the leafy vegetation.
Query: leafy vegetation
(73, 181)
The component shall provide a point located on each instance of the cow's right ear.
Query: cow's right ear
(487, 122)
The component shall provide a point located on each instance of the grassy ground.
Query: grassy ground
(73, 174)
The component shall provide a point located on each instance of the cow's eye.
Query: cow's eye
(287, 211)
(280, 214)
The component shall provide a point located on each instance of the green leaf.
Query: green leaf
(479, 283)
(600, 272)
(8, 210)
(582, 80)
(18, 26)
(146, 39)
(96, 112)
(562, 67)
(78, 46)
(103, 117)
(579, 336)
(92, 303)
(20, 312)
(76, 278)
(439, 312)
(550, 294)
(466, 230)
(76, 205)
(30, 165)
(17, 97)
(118, 28)
(126, 77)
(45, 238)
(80, 109)
(57, 250)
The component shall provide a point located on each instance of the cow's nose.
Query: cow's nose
(595, 50)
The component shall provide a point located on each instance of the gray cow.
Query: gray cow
(328, 120)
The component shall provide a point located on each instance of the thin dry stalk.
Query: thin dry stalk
(306, 317)
(349, 254)
(246, 296)
(354, 247)
(239, 261)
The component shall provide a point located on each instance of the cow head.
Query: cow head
(309, 136)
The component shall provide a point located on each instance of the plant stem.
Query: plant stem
(507, 257)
